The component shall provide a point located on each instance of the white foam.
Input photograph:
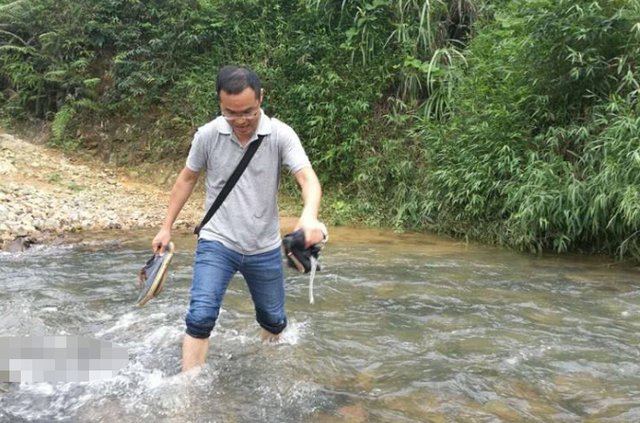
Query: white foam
(129, 319)
(123, 322)
(154, 379)
(163, 335)
(293, 333)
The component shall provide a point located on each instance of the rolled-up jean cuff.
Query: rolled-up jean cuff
(198, 333)
(274, 329)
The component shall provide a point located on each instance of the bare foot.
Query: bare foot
(268, 337)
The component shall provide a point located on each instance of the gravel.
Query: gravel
(44, 193)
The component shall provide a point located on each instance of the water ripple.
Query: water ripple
(429, 331)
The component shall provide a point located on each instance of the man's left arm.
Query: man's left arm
(311, 196)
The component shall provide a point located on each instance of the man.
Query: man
(244, 234)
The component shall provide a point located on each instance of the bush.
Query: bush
(541, 145)
(509, 121)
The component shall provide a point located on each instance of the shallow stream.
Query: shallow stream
(405, 328)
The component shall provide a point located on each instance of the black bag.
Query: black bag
(298, 256)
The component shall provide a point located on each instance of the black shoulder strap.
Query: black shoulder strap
(231, 182)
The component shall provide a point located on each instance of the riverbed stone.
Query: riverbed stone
(51, 225)
(6, 168)
(87, 225)
(24, 230)
(18, 245)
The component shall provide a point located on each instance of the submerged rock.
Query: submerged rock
(20, 244)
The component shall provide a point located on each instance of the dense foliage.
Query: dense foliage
(541, 147)
(510, 121)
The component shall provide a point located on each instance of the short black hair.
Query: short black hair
(235, 79)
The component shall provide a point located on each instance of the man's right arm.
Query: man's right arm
(179, 195)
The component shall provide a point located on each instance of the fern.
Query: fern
(61, 121)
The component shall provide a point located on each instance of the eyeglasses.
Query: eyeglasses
(246, 116)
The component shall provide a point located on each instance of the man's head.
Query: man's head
(235, 79)
(240, 94)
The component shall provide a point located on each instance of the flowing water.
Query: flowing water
(405, 328)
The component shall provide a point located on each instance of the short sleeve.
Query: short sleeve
(197, 159)
(293, 155)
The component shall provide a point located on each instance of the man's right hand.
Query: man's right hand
(161, 241)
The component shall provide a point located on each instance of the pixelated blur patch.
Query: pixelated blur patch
(59, 359)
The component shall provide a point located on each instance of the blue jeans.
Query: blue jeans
(214, 267)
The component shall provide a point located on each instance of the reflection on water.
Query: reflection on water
(406, 328)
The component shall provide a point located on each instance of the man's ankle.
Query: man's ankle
(194, 352)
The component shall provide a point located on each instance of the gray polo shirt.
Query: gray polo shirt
(247, 222)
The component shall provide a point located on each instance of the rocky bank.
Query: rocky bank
(45, 193)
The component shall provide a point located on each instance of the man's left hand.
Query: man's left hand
(313, 230)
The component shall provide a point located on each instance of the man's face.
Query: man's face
(242, 111)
